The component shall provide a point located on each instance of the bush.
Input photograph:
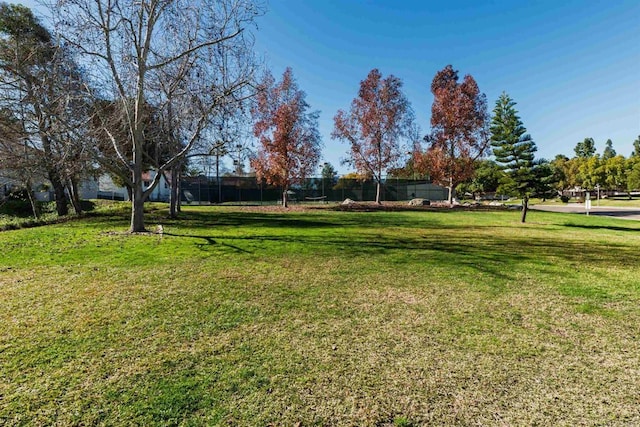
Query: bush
(564, 199)
(21, 194)
(16, 207)
(87, 205)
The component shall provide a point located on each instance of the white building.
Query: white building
(107, 189)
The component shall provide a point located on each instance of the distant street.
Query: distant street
(618, 212)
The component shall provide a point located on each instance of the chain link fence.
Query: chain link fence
(238, 189)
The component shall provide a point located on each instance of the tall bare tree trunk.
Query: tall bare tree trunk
(175, 192)
(525, 208)
(137, 195)
(32, 200)
(285, 198)
(53, 174)
(378, 193)
(218, 177)
(52, 169)
(61, 196)
(450, 187)
(137, 211)
(179, 192)
(75, 196)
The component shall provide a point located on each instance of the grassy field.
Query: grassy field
(237, 316)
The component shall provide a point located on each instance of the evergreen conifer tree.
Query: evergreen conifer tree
(514, 150)
(636, 147)
(608, 152)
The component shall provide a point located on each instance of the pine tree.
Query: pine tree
(586, 148)
(636, 147)
(608, 152)
(514, 149)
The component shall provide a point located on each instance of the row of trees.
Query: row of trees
(380, 124)
(462, 133)
(585, 171)
(377, 127)
(129, 86)
(590, 170)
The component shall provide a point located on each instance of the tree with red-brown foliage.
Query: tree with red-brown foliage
(289, 141)
(379, 117)
(459, 129)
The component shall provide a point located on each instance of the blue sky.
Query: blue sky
(573, 67)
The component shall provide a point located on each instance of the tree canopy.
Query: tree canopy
(586, 148)
(379, 117)
(287, 131)
(41, 85)
(608, 152)
(459, 129)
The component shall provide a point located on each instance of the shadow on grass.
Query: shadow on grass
(209, 241)
(603, 227)
(488, 248)
(493, 255)
(318, 218)
(208, 220)
(299, 220)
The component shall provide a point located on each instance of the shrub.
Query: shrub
(564, 199)
(20, 194)
(16, 207)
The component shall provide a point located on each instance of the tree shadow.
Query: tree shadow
(616, 213)
(492, 255)
(209, 240)
(431, 237)
(250, 219)
(603, 227)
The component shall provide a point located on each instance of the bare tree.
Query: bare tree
(227, 134)
(165, 53)
(19, 162)
(40, 85)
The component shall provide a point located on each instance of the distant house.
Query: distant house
(10, 182)
(89, 188)
(162, 191)
(107, 189)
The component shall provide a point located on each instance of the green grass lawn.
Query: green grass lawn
(243, 317)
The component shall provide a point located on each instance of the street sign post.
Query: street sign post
(587, 203)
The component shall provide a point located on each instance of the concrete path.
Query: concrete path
(618, 212)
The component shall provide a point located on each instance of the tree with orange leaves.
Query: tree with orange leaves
(459, 130)
(289, 141)
(379, 117)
